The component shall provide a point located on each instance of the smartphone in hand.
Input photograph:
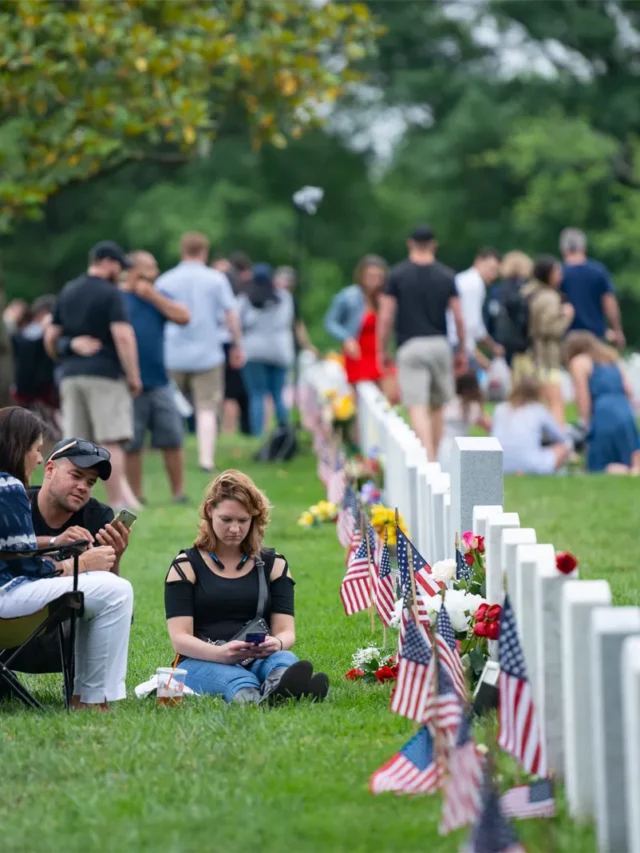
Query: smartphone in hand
(256, 639)
(125, 517)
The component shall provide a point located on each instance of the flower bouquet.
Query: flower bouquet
(383, 519)
(372, 666)
(363, 469)
(320, 513)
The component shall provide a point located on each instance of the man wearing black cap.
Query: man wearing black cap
(63, 510)
(418, 293)
(92, 338)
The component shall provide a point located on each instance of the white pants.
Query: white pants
(102, 639)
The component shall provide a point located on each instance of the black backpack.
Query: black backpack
(511, 323)
(281, 446)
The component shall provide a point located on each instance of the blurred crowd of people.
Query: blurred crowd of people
(510, 321)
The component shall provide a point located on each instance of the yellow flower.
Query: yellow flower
(383, 518)
(344, 408)
(335, 356)
(305, 520)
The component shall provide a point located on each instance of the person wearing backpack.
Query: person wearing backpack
(549, 319)
(506, 313)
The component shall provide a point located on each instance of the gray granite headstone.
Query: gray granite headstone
(578, 601)
(511, 539)
(610, 627)
(631, 723)
(476, 478)
(550, 685)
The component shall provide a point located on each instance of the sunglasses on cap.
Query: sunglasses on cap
(81, 447)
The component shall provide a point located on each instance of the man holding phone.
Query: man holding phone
(64, 511)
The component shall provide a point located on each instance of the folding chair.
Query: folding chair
(16, 635)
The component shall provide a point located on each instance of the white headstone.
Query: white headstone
(578, 601)
(631, 725)
(432, 474)
(476, 479)
(610, 627)
(550, 684)
(480, 515)
(439, 489)
(511, 539)
(528, 558)
(421, 534)
(449, 548)
(496, 525)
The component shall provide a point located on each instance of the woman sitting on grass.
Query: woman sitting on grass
(213, 591)
(604, 400)
(532, 442)
(27, 584)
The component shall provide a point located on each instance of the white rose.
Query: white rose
(363, 656)
(444, 570)
(397, 615)
(458, 617)
(474, 602)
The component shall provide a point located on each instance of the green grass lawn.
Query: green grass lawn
(208, 777)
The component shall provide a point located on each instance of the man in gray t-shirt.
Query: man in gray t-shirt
(194, 353)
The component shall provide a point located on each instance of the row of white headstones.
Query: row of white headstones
(582, 654)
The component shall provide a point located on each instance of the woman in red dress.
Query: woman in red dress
(352, 317)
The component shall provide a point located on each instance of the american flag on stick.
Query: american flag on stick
(355, 589)
(463, 571)
(463, 792)
(425, 584)
(534, 800)
(519, 732)
(410, 695)
(347, 515)
(385, 597)
(337, 480)
(443, 710)
(412, 770)
(492, 833)
(448, 652)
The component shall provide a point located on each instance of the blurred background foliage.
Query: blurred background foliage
(498, 122)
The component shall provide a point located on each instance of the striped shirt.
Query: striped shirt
(17, 533)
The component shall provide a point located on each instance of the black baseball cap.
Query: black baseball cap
(423, 234)
(84, 454)
(109, 249)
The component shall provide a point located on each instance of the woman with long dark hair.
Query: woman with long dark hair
(27, 584)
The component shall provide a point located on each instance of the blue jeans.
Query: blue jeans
(260, 379)
(225, 679)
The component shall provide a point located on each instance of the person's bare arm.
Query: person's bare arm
(169, 308)
(580, 369)
(460, 360)
(51, 335)
(236, 358)
(611, 310)
(302, 336)
(386, 315)
(125, 342)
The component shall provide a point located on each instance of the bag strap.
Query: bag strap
(263, 589)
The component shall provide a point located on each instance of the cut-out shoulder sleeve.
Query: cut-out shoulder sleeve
(280, 568)
(179, 588)
(282, 587)
(181, 570)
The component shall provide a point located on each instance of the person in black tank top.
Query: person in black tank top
(229, 587)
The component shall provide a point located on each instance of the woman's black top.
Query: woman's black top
(221, 606)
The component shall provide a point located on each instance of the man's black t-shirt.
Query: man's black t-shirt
(87, 306)
(93, 516)
(422, 292)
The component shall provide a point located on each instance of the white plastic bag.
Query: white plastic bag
(498, 380)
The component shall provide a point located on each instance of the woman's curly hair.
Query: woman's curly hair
(234, 486)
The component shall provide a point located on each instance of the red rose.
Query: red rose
(354, 674)
(469, 558)
(394, 670)
(493, 613)
(565, 562)
(480, 545)
(480, 629)
(493, 630)
(391, 660)
(385, 673)
(481, 612)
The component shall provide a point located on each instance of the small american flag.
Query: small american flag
(337, 481)
(425, 583)
(443, 711)
(463, 792)
(519, 732)
(410, 695)
(324, 465)
(355, 589)
(463, 571)
(492, 833)
(385, 599)
(413, 770)
(535, 800)
(347, 515)
(448, 650)
(354, 544)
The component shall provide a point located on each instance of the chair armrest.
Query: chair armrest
(62, 551)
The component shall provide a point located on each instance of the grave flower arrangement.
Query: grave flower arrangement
(320, 513)
(363, 469)
(471, 573)
(372, 666)
(383, 519)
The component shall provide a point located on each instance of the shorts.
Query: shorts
(233, 385)
(205, 388)
(156, 410)
(425, 372)
(96, 408)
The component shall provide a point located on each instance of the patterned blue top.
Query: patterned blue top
(17, 534)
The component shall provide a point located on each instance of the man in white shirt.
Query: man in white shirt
(472, 290)
(194, 353)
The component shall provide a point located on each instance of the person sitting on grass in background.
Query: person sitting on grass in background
(604, 398)
(524, 428)
(64, 511)
(462, 413)
(27, 584)
(213, 590)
